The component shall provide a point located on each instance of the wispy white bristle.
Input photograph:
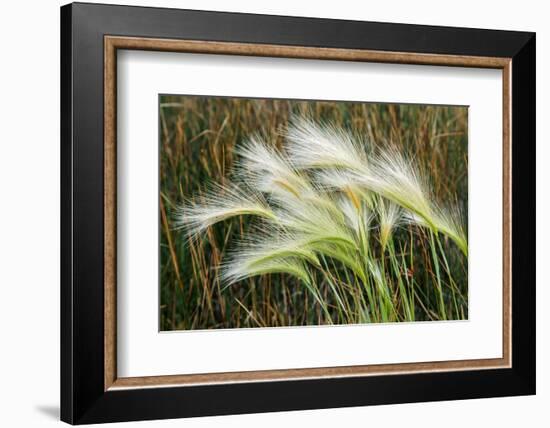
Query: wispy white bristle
(389, 217)
(219, 203)
(312, 145)
(270, 171)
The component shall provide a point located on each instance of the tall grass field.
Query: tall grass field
(279, 213)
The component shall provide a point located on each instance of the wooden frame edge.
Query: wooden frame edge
(109, 196)
(112, 43)
(299, 374)
(507, 213)
(301, 52)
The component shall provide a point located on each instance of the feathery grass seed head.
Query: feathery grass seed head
(219, 203)
(312, 145)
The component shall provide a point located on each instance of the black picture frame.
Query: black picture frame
(83, 396)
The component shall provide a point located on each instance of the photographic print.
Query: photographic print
(280, 213)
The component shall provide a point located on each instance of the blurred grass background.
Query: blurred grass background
(197, 137)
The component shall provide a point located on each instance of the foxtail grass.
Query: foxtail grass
(326, 209)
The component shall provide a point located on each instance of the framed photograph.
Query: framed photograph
(266, 213)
